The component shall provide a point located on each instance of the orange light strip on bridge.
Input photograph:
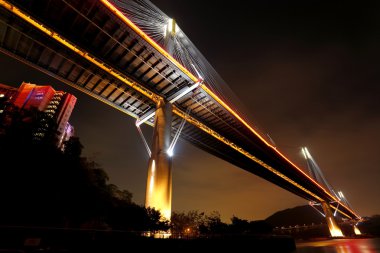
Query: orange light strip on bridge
(340, 211)
(82, 89)
(79, 51)
(211, 132)
(154, 97)
(147, 38)
(220, 101)
(208, 130)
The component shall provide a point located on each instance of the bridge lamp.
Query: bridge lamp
(334, 230)
(170, 28)
(173, 99)
(356, 230)
(144, 119)
(306, 153)
(184, 92)
(170, 152)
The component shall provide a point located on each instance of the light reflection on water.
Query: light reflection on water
(341, 246)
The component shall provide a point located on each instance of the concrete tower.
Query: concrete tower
(159, 182)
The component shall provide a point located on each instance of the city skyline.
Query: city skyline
(290, 120)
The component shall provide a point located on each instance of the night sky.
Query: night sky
(306, 71)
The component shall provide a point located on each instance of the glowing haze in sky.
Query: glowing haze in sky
(306, 71)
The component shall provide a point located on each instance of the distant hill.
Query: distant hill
(295, 216)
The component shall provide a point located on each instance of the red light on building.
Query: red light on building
(56, 105)
(30, 95)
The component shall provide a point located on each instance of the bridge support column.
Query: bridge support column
(333, 226)
(357, 230)
(159, 182)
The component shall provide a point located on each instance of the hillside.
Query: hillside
(295, 216)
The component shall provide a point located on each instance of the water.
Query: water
(340, 246)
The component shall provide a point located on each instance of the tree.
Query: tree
(43, 186)
(213, 224)
(260, 227)
(239, 225)
(122, 195)
(73, 147)
(155, 221)
(187, 224)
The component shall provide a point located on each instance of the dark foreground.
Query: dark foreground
(62, 240)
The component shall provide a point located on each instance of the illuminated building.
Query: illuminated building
(57, 112)
(56, 105)
(32, 96)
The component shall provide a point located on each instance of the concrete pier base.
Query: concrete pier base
(335, 231)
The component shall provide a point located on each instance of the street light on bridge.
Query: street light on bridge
(170, 28)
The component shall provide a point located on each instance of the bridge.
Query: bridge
(113, 51)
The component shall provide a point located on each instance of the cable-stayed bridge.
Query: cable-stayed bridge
(131, 56)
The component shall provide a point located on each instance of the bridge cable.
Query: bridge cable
(313, 206)
(146, 15)
(178, 133)
(144, 141)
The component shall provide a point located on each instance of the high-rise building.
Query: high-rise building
(56, 105)
(33, 96)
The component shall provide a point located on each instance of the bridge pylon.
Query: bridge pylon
(357, 230)
(335, 231)
(159, 181)
(169, 37)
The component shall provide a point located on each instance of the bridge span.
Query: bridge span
(94, 47)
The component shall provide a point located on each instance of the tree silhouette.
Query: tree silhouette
(187, 224)
(43, 186)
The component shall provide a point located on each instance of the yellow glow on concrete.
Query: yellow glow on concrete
(157, 192)
(151, 183)
(331, 223)
(334, 229)
(357, 230)
(159, 181)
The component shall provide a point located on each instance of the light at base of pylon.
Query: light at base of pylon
(334, 230)
(357, 231)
